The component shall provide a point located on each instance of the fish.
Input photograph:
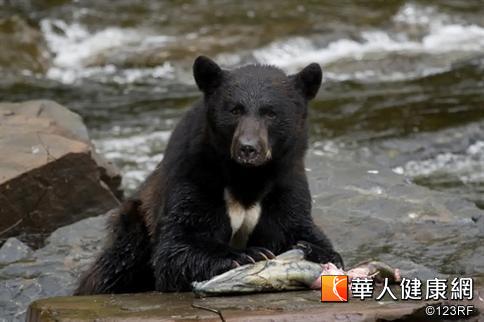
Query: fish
(288, 271)
(376, 270)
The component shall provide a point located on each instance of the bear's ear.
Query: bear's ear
(309, 80)
(208, 75)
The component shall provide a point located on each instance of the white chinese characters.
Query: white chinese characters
(459, 288)
(362, 288)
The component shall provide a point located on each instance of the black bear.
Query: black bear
(231, 189)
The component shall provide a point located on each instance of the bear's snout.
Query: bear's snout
(248, 152)
(249, 144)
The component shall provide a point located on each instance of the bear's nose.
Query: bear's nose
(248, 151)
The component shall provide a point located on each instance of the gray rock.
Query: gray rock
(50, 174)
(13, 250)
(52, 270)
(370, 212)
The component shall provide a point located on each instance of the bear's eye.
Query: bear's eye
(236, 110)
(270, 114)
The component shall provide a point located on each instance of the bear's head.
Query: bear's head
(256, 113)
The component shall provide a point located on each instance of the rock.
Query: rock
(26, 48)
(370, 212)
(288, 306)
(50, 174)
(52, 270)
(13, 250)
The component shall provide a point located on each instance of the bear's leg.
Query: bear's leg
(318, 254)
(177, 263)
(124, 265)
(318, 248)
(292, 204)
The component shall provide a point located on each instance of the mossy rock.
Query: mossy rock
(288, 306)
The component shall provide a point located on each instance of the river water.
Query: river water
(403, 80)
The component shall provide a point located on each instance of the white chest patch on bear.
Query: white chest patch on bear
(242, 220)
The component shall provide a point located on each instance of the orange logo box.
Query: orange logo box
(334, 288)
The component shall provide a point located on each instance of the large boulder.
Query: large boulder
(303, 306)
(370, 212)
(50, 174)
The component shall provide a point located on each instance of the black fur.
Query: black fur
(180, 231)
(124, 266)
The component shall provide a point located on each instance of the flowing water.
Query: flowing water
(403, 83)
